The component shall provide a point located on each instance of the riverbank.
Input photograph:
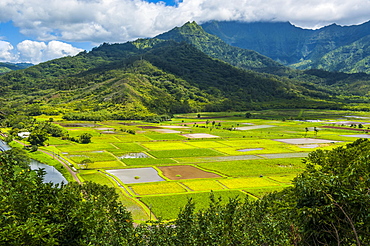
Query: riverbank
(45, 157)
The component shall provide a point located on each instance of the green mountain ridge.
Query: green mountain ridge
(192, 33)
(147, 78)
(298, 47)
(7, 67)
(184, 70)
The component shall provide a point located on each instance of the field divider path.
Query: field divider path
(222, 185)
(114, 145)
(249, 194)
(127, 190)
(123, 164)
(65, 163)
(184, 186)
(61, 160)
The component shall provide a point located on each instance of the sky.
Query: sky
(35, 31)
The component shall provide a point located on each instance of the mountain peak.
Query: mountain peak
(188, 28)
(194, 34)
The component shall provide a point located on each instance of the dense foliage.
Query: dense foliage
(34, 213)
(7, 67)
(213, 46)
(184, 70)
(328, 204)
(147, 79)
(332, 48)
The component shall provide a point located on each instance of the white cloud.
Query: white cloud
(36, 52)
(6, 52)
(111, 21)
(121, 20)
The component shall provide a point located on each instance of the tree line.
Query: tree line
(328, 204)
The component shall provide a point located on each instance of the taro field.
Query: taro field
(157, 167)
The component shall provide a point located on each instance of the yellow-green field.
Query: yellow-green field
(245, 163)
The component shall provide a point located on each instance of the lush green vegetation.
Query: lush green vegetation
(7, 67)
(34, 213)
(251, 161)
(328, 204)
(332, 48)
(213, 46)
(109, 117)
(151, 79)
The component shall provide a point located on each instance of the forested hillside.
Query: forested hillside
(213, 46)
(333, 48)
(7, 67)
(147, 78)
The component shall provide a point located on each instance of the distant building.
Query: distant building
(24, 134)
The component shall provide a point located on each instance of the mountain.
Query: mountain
(213, 46)
(147, 78)
(298, 47)
(7, 67)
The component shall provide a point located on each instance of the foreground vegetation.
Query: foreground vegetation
(328, 204)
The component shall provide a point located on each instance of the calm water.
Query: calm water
(52, 174)
(3, 146)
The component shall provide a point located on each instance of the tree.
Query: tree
(316, 130)
(37, 213)
(332, 196)
(85, 138)
(38, 137)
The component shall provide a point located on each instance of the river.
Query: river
(52, 174)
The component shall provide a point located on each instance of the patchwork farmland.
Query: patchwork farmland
(157, 167)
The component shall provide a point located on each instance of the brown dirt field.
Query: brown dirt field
(186, 172)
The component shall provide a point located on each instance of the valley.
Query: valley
(185, 139)
(157, 167)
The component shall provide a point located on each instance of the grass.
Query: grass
(287, 178)
(56, 141)
(168, 207)
(202, 185)
(165, 136)
(219, 155)
(138, 213)
(157, 188)
(184, 153)
(248, 168)
(147, 161)
(247, 183)
(129, 138)
(77, 157)
(85, 147)
(264, 150)
(207, 144)
(154, 146)
(128, 147)
(95, 176)
(106, 165)
(260, 192)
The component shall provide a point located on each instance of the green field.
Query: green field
(167, 207)
(241, 161)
